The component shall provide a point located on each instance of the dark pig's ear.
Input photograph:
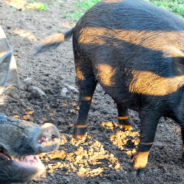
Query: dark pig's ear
(178, 65)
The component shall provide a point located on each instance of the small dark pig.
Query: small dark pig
(20, 142)
(135, 50)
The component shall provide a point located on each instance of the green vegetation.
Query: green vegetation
(82, 7)
(86, 5)
(57, 2)
(37, 6)
(176, 6)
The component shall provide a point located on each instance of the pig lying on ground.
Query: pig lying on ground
(135, 50)
(20, 141)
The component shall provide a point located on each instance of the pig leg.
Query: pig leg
(149, 123)
(87, 84)
(123, 117)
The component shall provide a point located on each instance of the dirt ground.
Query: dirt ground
(106, 156)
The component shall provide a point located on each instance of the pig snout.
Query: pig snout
(20, 142)
(45, 139)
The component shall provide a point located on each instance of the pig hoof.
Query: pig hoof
(139, 172)
(80, 132)
(81, 138)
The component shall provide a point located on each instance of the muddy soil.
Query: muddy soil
(106, 156)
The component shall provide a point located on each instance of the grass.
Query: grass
(82, 7)
(86, 4)
(37, 6)
(175, 6)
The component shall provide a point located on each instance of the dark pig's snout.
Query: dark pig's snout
(46, 139)
(20, 142)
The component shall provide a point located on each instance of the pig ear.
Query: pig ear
(178, 65)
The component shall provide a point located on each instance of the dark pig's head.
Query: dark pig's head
(20, 142)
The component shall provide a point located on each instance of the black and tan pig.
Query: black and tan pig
(135, 50)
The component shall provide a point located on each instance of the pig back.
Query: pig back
(130, 45)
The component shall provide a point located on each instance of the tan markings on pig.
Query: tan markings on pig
(81, 126)
(91, 36)
(122, 117)
(105, 74)
(149, 83)
(146, 143)
(79, 74)
(143, 82)
(183, 148)
(86, 98)
(154, 40)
